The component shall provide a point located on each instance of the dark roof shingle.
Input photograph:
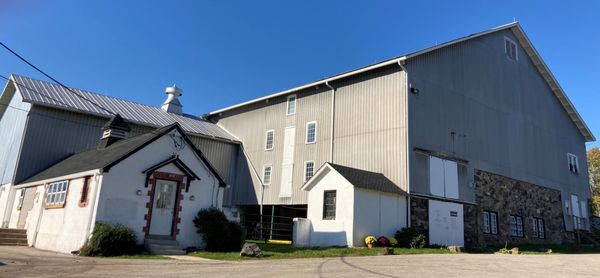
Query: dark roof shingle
(367, 180)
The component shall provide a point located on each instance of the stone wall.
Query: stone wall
(419, 214)
(507, 197)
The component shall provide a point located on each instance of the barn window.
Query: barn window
(490, 222)
(538, 228)
(510, 48)
(311, 132)
(329, 205)
(270, 137)
(56, 194)
(573, 163)
(267, 171)
(291, 105)
(309, 170)
(85, 189)
(516, 226)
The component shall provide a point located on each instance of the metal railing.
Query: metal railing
(267, 227)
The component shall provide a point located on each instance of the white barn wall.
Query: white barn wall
(377, 214)
(336, 232)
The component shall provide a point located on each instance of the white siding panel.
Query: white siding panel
(451, 179)
(436, 176)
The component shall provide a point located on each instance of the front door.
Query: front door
(163, 210)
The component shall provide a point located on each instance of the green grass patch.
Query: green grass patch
(142, 257)
(558, 249)
(286, 251)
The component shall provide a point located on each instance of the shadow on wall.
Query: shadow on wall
(244, 192)
(304, 235)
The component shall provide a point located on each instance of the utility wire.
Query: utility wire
(56, 81)
(29, 88)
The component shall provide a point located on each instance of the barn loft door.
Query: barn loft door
(287, 163)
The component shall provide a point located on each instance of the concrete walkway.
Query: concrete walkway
(29, 262)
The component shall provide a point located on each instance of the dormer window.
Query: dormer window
(510, 48)
(573, 163)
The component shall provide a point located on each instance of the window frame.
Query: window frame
(57, 192)
(519, 227)
(539, 228)
(270, 167)
(575, 159)
(306, 169)
(21, 199)
(314, 137)
(492, 225)
(272, 131)
(287, 107)
(326, 216)
(85, 191)
(516, 49)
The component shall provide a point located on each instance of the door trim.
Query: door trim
(179, 179)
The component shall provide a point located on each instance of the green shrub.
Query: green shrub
(110, 240)
(218, 233)
(406, 236)
(419, 241)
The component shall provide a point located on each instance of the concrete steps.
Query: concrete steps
(13, 237)
(163, 247)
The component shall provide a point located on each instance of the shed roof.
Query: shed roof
(105, 158)
(358, 178)
(53, 95)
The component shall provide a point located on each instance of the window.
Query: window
(291, 105)
(538, 228)
(269, 139)
(510, 48)
(267, 175)
(329, 205)
(85, 189)
(516, 226)
(311, 132)
(21, 199)
(57, 194)
(490, 222)
(309, 170)
(573, 163)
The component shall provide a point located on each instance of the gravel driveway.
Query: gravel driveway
(29, 262)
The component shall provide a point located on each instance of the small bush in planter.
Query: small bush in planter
(393, 241)
(370, 241)
(419, 241)
(383, 241)
(218, 232)
(110, 240)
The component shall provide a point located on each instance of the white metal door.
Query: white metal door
(163, 209)
(287, 162)
(446, 224)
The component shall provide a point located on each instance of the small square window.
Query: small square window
(309, 170)
(510, 48)
(270, 138)
(291, 105)
(267, 171)
(516, 226)
(311, 132)
(573, 163)
(329, 200)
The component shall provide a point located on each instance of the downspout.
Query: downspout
(406, 138)
(332, 120)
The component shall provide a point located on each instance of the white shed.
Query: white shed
(346, 204)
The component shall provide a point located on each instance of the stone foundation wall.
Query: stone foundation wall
(419, 214)
(512, 197)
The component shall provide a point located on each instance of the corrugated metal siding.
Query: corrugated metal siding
(370, 134)
(50, 94)
(505, 117)
(13, 117)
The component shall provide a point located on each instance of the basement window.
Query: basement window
(309, 170)
(291, 105)
(56, 194)
(516, 226)
(267, 171)
(270, 137)
(538, 228)
(510, 48)
(573, 163)
(490, 222)
(329, 199)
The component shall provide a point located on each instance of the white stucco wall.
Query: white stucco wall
(377, 214)
(4, 193)
(118, 202)
(336, 232)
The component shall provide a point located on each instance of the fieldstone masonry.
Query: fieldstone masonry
(507, 197)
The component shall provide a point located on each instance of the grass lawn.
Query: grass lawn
(558, 249)
(285, 251)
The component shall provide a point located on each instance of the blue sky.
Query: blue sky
(225, 52)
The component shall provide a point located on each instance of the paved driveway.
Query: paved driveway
(29, 262)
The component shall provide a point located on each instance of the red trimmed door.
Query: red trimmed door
(163, 210)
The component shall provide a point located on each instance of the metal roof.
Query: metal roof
(53, 95)
(514, 27)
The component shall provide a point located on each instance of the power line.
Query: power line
(29, 88)
(56, 81)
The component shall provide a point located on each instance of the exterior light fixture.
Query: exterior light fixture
(138, 192)
(192, 198)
